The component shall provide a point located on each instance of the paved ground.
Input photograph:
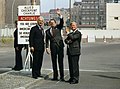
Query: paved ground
(88, 80)
(99, 69)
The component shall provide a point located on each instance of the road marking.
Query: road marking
(89, 70)
(84, 70)
(5, 69)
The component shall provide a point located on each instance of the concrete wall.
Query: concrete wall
(2, 12)
(113, 16)
(101, 33)
(85, 33)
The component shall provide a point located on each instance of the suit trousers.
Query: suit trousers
(37, 63)
(57, 52)
(73, 61)
(18, 59)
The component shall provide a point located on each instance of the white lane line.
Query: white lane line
(84, 70)
(89, 70)
(5, 69)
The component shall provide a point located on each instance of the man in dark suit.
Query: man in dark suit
(53, 34)
(18, 48)
(36, 40)
(73, 41)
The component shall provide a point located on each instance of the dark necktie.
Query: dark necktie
(53, 31)
(42, 30)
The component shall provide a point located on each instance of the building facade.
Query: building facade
(113, 16)
(2, 13)
(76, 12)
(113, 1)
(93, 13)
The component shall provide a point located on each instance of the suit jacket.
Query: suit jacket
(73, 41)
(16, 40)
(36, 38)
(57, 38)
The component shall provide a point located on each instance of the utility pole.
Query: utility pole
(54, 4)
(54, 9)
(70, 10)
(33, 2)
(13, 11)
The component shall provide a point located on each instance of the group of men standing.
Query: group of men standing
(54, 45)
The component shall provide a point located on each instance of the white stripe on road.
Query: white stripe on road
(88, 70)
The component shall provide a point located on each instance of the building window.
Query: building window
(87, 12)
(83, 23)
(87, 18)
(92, 23)
(115, 1)
(83, 7)
(87, 23)
(115, 18)
(88, 7)
(83, 12)
(92, 18)
(83, 18)
(92, 7)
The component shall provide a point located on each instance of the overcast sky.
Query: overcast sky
(46, 5)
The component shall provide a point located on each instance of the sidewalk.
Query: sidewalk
(20, 79)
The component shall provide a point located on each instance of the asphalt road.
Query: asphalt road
(99, 67)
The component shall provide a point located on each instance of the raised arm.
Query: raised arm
(60, 25)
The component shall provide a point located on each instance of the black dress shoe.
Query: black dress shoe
(17, 69)
(69, 80)
(40, 76)
(54, 79)
(13, 68)
(62, 79)
(35, 77)
(74, 82)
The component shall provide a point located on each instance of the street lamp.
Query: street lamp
(40, 6)
(54, 9)
(12, 10)
(70, 9)
(54, 4)
(33, 2)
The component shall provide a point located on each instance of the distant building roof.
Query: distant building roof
(77, 3)
(45, 14)
(54, 10)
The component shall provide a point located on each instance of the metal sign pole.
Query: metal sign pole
(27, 60)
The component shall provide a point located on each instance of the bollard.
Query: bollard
(87, 39)
(104, 39)
(95, 38)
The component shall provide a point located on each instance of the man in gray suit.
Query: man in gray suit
(73, 41)
(53, 34)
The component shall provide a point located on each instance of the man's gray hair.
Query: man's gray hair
(41, 18)
(73, 23)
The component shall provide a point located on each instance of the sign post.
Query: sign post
(27, 18)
